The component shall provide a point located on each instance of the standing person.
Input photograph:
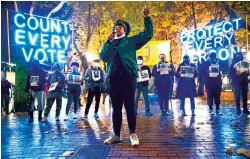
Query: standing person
(94, 77)
(74, 80)
(163, 72)
(56, 84)
(5, 93)
(142, 85)
(186, 86)
(213, 82)
(120, 54)
(239, 83)
(35, 87)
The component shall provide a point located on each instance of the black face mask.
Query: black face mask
(186, 61)
(162, 59)
(213, 60)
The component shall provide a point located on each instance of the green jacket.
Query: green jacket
(127, 49)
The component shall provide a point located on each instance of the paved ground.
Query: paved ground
(171, 137)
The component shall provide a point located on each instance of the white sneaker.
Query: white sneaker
(96, 116)
(66, 117)
(211, 112)
(134, 140)
(74, 116)
(112, 139)
(57, 118)
(85, 117)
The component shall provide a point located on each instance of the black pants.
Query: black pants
(122, 90)
(213, 96)
(91, 94)
(5, 102)
(163, 96)
(237, 96)
(50, 102)
(73, 96)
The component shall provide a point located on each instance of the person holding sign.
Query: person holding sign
(163, 72)
(56, 84)
(213, 82)
(239, 82)
(74, 81)
(142, 85)
(119, 52)
(186, 88)
(35, 88)
(94, 77)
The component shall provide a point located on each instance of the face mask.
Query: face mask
(162, 59)
(186, 61)
(139, 62)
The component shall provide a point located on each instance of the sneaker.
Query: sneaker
(96, 116)
(57, 118)
(193, 113)
(112, 140)
(148, 113)
(183, 113)
(74, 116)
(66, 118)
(211, 112)
(45, 119)
(246, 112)
(218, 112)
(238, 112)
(134, 140)
(85, 117)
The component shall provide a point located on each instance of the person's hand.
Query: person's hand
(158, 69)
(246, 71)
(169, 69)
(238, 73)
(111, 37)
(180, 73)
(146, 12)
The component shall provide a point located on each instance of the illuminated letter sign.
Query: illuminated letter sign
(217, 38)
(45, 39)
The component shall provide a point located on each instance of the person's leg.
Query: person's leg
(237, 98)
(58, 106)
(129, 103)
(48, 107)
(6, 102)
(89, 101)
(76, 96)
(217, 99)
(116, 94)
(160, 99)
(145, 96)
(192, 102)
(209, 98)
(137, 97)
(244, 96)
(40, 103)
(31, 105)
(97, 100)
(167, 96)
(2, 106)
(182, 104)
(70, 100)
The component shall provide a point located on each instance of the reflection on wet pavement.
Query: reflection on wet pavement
(173, 136)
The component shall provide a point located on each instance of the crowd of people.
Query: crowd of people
(128, 77)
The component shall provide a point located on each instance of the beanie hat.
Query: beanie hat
(124, 24)
(74, 63)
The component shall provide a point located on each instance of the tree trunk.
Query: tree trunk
(193, 14)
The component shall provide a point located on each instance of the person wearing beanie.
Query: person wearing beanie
(239, 83)
(162, 73)
(213, 82)
(186, 86)
(119, 52)
(142, 85)
(35, 88)
(94, 77)
(74, 81)
(56, 84)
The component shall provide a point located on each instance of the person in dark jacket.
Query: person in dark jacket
(74, 81)
(239, 83)
(94, 77)
(56, 84)
(5, 94)
(213, 82)
(162, 73)
(120, 54)
(142, 85)
(186, 86)
(35, 87)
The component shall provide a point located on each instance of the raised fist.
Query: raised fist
(146, 12)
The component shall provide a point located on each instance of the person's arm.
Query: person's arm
(143, 37)
(102, 76)
(195, 71)
(149, 72)
(49, 80)
(154, 71)
(88, 75)
(178, 72)
(107, 52)
(172, 71)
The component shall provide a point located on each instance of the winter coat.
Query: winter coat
(127, 49)
(56, 76)
(5, 86)
(42, 79)
(90, 81)
(186, 86)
